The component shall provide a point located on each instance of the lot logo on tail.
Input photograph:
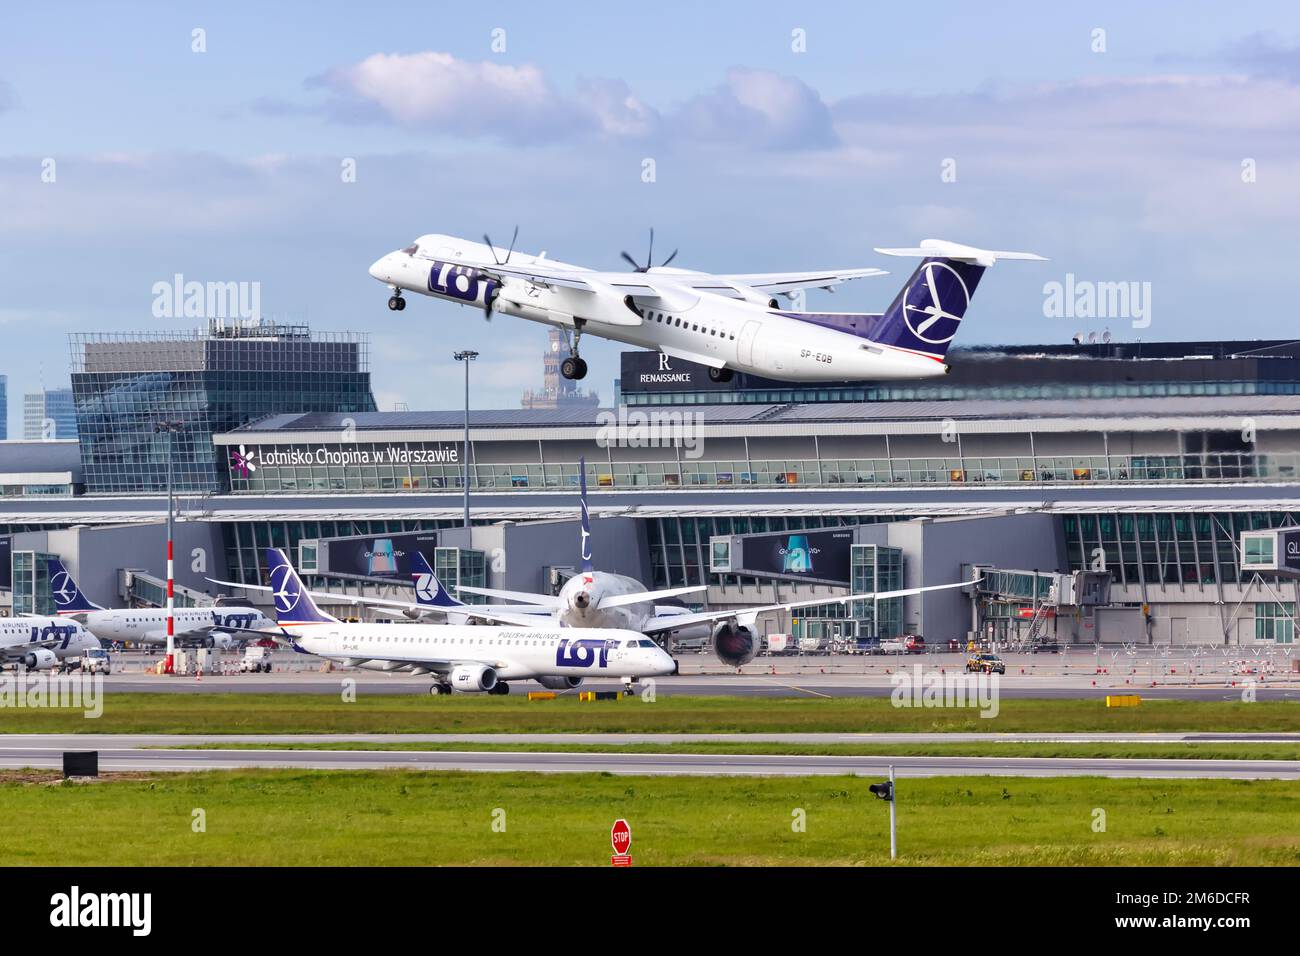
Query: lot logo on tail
(935, 301)
(285, 588)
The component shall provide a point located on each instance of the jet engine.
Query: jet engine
(559, 683)
(40, 659)
(473, 678)
(735, 643)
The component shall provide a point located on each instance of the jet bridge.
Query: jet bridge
(1034, 610)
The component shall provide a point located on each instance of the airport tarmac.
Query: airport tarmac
(726, 685)
(670, 764)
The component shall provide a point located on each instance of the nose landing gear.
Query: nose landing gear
(395, 302)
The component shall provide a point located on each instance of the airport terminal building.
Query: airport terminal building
(1101, 490)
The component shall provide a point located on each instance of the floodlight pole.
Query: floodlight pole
(466, 356)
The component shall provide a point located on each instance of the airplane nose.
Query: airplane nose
(379, 270)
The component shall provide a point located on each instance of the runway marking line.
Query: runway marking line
(802, 690)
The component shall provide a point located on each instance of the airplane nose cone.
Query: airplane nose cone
(379, 269)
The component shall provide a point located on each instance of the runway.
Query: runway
(705, 685)
(138, 759)
(60, 742)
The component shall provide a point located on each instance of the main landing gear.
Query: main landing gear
(500, 688)
(574, 367)
(721, 375)
(395, 302)
(438, 690)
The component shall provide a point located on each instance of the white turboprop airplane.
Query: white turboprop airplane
(220, 626)
(38, 643)
(728, 323)
(468, 658)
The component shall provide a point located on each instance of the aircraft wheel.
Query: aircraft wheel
(721, 374)
(571, 369)
(395, 303)
(401, 304)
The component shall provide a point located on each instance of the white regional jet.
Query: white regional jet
(728, 323)
(468, 658)
(220, 626)
(38, 643)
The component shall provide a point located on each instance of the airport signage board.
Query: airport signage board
(1288, 551)
(824, 556)
(657, 372)
(377, 556)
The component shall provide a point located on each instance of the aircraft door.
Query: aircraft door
(745, 343)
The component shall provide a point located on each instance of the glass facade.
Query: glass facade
(1275, 621)
(126, 385)
(49, 414)
(424, 466)
(877, 568)
(1167, 547)
(30, 579)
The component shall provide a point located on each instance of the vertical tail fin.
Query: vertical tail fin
(924, 316)
(429, 591)
(585, 540)
(293, 603)
(68, 598)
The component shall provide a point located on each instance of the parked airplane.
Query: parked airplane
(726, 322)
(38, 643)
(473, 659)
(220, 626)
(600, 599)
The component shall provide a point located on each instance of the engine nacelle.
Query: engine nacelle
(734, 643)
(40, 659)
(473, 678)
(559, 683)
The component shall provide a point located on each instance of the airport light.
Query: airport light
(466, 356)
(170, 428)
(885, 791)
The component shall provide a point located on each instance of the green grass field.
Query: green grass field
(1175, 751)
(302, 713)
(289, 817)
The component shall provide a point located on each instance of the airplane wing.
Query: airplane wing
(619, 600)
(677, 621)
(778, 283)
(549, 601)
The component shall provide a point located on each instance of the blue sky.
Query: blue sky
(1123, 165)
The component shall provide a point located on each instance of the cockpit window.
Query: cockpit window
(412, 249)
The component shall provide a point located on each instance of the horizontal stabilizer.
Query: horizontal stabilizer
(943, 249)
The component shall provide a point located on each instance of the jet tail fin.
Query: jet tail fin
(429, 591)
(293, 603)
(585, 540)
(924, 317)
(68, 598)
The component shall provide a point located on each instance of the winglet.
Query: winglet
(943, 249)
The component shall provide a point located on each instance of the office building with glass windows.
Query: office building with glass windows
(50, 414)
(205, 382)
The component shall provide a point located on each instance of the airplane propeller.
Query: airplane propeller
(493, 249)
(649, 259)
(490, 300)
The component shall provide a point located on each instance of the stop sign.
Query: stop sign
(621, 837)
